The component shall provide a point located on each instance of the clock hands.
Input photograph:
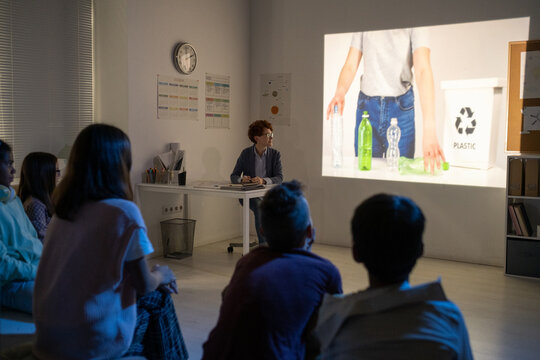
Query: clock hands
(185, 58)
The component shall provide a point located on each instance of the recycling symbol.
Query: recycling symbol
(465, 122)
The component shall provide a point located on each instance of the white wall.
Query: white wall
(463, 223)
(244, 39)
(111, 59)
(145, 33)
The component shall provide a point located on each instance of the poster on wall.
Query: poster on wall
(218, 99)
(531, 118)
(276, 98)
(523, 130)
(529, 84)
(177, 99)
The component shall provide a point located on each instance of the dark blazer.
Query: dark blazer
(246, 164)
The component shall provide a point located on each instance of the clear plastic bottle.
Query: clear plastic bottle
(337, 138)
(365, 143)
(393, 134)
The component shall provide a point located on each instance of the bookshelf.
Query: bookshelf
(523, 216)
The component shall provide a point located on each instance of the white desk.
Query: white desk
(191, 190)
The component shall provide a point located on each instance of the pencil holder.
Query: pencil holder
(162, 177)
(182, 178)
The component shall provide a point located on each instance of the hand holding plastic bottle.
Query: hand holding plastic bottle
(339, 100)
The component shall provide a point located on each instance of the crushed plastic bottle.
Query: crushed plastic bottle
(416, 167)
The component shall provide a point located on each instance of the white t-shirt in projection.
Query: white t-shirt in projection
(387, 56)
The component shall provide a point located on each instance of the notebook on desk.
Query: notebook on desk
(242, 187)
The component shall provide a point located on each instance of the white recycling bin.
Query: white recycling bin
(473, 109)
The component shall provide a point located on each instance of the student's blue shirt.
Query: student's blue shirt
(268, 304)
(20, 248)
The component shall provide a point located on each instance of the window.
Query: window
(46, 74)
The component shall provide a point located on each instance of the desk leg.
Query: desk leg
(245, 226)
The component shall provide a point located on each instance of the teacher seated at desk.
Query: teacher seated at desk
(258, 164)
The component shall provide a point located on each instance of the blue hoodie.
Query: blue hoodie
(20, 248)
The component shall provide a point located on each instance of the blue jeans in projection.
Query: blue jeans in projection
(381, 109)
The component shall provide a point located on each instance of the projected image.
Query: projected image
(424, 104)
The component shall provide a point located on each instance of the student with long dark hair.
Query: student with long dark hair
(20, 248)
(94, 264)
(38, 180)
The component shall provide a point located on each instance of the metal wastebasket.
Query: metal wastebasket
(177, 236)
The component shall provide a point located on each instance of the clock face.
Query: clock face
(184, 58)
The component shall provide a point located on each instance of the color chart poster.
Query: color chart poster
(177, 99)
(218, 101)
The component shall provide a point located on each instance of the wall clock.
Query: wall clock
(184, 58)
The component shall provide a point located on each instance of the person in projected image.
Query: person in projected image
(259, 164)
(390, 319)
(386, 89)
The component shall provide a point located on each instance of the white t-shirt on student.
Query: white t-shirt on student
(84, 303)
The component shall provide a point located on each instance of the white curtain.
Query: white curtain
(46, 73)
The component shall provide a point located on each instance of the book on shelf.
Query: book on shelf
(242, 187)
(532, 176)
(523, 219)
(515, 223)
(515, 177)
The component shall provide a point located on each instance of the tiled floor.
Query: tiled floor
(502, 313)
(15, 328)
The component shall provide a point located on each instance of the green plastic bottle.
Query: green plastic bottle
(364, 143)
(416, 167)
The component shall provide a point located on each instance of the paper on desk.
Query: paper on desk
(178, 160)
(170, 160)
(167, 159)
(158, 163)
(531, 118)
